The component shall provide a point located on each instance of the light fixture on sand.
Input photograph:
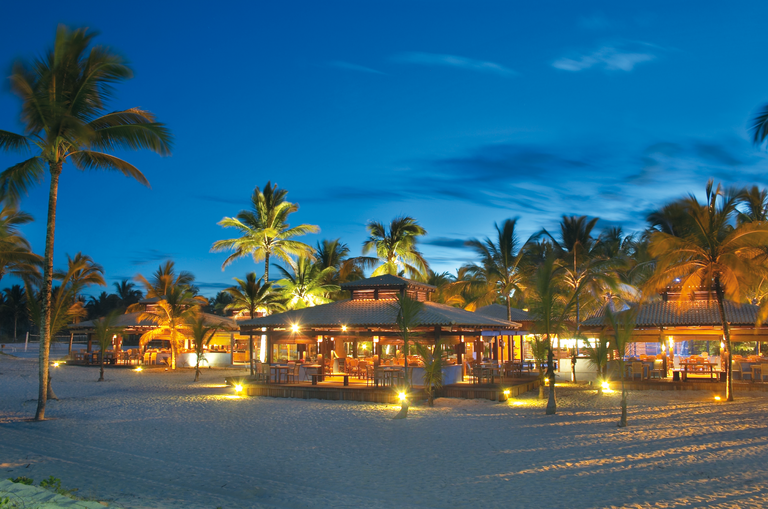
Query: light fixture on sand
(238, 388)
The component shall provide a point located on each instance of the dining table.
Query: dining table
(278, 371)
(696, 368)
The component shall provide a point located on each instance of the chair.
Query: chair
(342, 363)
(658, 366)
(746, 371)
(295, 374)
(351, 365)
(637, 369)
(153, 358)
(468, 372)
(736, 371)
(362, 370)
(763, 371)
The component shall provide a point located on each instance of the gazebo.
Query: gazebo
(365, 325)
(220, 350)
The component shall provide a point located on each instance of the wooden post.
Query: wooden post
(269, 347)
(232, 350)
(90, 342)
(71, 338)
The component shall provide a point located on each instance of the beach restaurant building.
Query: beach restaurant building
(365, 328)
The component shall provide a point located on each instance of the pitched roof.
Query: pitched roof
(386, 280)
(377, 313)
(500, 312)
(675, 313)
(132, 320)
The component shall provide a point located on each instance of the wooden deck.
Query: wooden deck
(359, 391)
(692, 384)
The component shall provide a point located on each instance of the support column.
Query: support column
(269, 347)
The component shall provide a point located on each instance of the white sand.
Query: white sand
(154, 439)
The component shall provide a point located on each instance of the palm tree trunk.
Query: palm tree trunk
(727, 337)
(266, 269)
(197, 368)
(551, 403)
(250, 347)
(101, 374)
(509, 309)
(15, 319)
(45, 333)
(623, 419)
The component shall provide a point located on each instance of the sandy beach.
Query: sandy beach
(155, 439)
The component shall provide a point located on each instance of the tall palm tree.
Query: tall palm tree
(717, 255)
(15, 305)
(623, 326)
(335, 254)
(105, 329)
(264, 230)
(551, 302)
(500, 259)
(170, 316)
(64, 95)
(395, 248)
(306, 284)
(251, 295)
(755, 201)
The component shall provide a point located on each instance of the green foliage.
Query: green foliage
(395, 248)
(307, 285)
(433, 368)
(54, 484)
(252, 296)
(22, 480)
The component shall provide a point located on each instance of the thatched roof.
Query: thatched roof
(131, 320)
(378, 313)
(674, 313)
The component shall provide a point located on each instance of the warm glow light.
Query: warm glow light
(138, 368)
(401, 396)
(605, 385)
(238, 388)
(722, 345)
(55, 364)
(507, 392)
(518, 403)
(717, 398)
(295, 327)
(344, 328)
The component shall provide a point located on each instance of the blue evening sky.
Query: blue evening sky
(460, 114)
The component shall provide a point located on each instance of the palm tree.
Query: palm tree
(395, 248)
(623, 325)
(66, 304)
(201, 335)
(170, 317)
(15, 305)
(717, 255)
(102, 305)
(755, 200)
(105, 329)
(265, 231)
(127, 292)
(16, 256)
(250, 295)
(597, 355)
(539, 349)
(433, 368)
(500, 259)
(551, 302)
(306, 285)
(64, 96)
(165, 278)
(408, 310)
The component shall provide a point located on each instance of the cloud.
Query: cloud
(446, 242)
(435, 59)
(608, 57)
(149, 256)
(354, 67)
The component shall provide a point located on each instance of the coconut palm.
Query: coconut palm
(408, 310)
(433, 368)
(170, 316)
(395, 248)
(105, 329)
(623, 325)
(165, 278)
(754, 203)
(539, 350)
(717, 255)
(500, 260)
(64, 95)
(67, 305)
(127, 292)
(251, 295)
(264, 230)
(15, 305)
(306, 285)
(201, 335)
(16, 256)
(551, 302)
(597, 356)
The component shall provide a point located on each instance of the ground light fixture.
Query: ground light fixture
(605, 385)
(55, 364)
(138, 369)
(401, 396)
(507, 392)
(238, 388)
(717, 398)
